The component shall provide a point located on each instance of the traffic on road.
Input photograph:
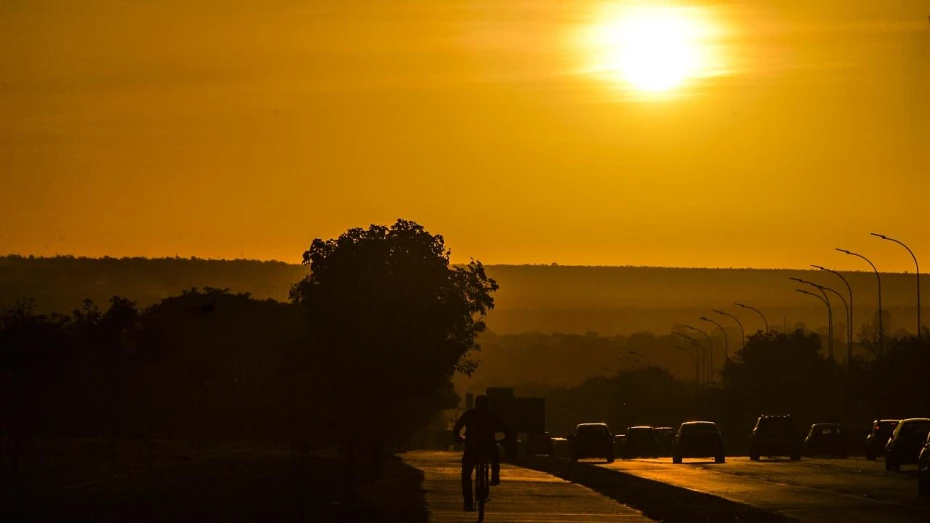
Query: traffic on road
(831, 461)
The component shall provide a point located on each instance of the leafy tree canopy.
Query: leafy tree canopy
(390, 311)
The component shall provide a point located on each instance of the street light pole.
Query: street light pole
(829, 312)
(917, 266)
(826, 302)
(710, 347)
(881, 330)
(697, 368)
(699, 350)
(634, 353)
(757, 312)
(849, 313)
(845, 305)
(741, 329)
(726, 342)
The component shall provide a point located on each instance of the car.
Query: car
(540, 443)
(923, 469)
(618, 443)
(666, 436)
(825, 439)
(878, 438)
(903, 446)
(698, 439)
(640, 442)
(592, 440)
(775, 435)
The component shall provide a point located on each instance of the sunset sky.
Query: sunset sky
(717, 133)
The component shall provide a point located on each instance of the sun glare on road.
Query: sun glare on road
(653, 49)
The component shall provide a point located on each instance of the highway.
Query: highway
(813, 490)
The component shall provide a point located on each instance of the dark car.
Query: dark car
(923, 469)
(825, 439)
(540, 443)
(698, 439)
(775, 436)
(592, 440)
(666, 436)
(905, 442)
(618, 443)
(640, 442)
(878, 438)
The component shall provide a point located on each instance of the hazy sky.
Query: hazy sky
(238, 128)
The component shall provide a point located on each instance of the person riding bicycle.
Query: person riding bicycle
(480, 424)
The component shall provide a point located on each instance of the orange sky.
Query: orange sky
(239, 128)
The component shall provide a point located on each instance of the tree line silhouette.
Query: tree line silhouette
(612, 300)
(361, 355)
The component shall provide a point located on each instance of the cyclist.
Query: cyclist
(480, 425)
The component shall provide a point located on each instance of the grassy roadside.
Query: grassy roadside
(654, 499)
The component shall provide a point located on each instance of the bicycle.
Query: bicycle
(482, 485)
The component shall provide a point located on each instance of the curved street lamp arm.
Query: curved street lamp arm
(849, 312)
(700, 350)
(821, 298)
(826, 302)
(882, 236)
(878, 276)
(742, 331)
(917, 267)
(710, 348)
(726, 341)
(634, 353)
(757, 311)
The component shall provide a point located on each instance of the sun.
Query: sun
(653, 49)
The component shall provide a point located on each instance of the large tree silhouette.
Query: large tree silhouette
(392, 319)
(784, 373)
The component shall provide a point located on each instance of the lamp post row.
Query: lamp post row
(848, 305)
(849, 314)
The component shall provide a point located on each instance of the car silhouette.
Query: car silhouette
(878, 438)
(698, 439)
(904, 445)
(640, 442)
(666, 436)
(825, 439)
(775, 435)
(592, 440)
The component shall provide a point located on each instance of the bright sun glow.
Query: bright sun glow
(653, 49)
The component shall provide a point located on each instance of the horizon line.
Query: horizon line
(528, 264)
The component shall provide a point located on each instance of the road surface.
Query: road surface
(524, 495)
(851, 490)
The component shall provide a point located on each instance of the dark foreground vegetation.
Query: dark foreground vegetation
(242, 484)
(360, 357)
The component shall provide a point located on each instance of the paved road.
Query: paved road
(524, 495)
(815, 490)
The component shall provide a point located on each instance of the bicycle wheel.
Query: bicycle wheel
(481, 488)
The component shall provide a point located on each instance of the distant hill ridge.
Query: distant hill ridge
(544, 298)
